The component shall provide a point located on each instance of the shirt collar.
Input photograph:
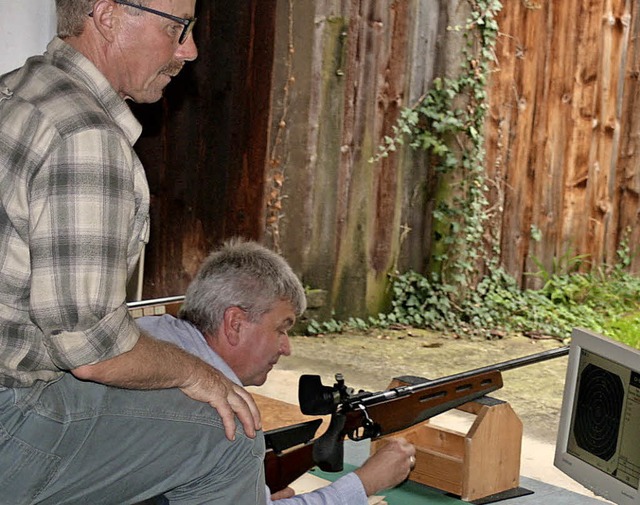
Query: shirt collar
(82, 69)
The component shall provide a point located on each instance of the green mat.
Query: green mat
(408, 493)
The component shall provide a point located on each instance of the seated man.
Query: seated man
(235, 316)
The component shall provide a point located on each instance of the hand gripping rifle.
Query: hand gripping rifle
(292, 450)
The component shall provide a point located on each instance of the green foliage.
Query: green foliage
(625, 329)
(330, 326)
(603, 300)
(565, 264)
(334, 326)
(606, 302)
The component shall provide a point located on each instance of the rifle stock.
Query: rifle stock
(371, 415)
(289, 465)
(283, 468)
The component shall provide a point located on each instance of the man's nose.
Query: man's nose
(285, 346)
(188, 50)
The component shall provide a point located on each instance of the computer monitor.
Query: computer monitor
(598, 441)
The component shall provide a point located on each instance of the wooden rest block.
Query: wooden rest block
(482, 462)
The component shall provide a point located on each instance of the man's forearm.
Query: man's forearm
(150, 364)
(154, 364)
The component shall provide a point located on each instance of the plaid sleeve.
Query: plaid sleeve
(82, 213)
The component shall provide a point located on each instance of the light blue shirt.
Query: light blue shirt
(347, 490)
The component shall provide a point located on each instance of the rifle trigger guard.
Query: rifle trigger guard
(369, 428)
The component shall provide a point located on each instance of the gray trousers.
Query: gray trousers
(74, 442)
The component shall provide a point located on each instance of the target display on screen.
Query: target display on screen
(598, 409)
(599, 434)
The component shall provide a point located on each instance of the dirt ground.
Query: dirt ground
(369, 361)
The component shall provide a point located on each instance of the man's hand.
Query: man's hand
(227, 398)
(388, 467)
(287, 492)
(154, 364)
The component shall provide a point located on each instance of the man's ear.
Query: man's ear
(103, 18)
(234, 318)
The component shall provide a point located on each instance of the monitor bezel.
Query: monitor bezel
(582, 472)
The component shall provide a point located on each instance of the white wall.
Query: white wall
(26, 27)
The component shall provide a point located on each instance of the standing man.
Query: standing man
(91, 409)
(236, 315)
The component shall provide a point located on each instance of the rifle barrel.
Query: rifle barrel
(528, 360)
(155, 301)
(498, 367)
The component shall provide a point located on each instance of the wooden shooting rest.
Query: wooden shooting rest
(482, 462)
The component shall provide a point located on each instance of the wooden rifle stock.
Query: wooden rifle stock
(383, 417)
(282, 469)
(289, 465)
(365, 415)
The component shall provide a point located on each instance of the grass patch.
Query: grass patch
(625, 329)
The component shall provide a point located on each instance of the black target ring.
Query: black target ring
(598, 411)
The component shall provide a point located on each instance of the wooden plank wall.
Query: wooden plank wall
(268, 135)
(204, 145)
(562, 132)
(561, 138)
(349, 67)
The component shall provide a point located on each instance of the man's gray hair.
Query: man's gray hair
(72, 14)
(241, 274)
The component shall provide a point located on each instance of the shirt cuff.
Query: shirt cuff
(350, 490)
(113, 335)
(347, 490)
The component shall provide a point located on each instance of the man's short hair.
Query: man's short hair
(241, 274)
(72, 14)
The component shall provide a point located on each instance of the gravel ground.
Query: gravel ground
(370, 361)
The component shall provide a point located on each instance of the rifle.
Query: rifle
(156, 306)
(292, 450)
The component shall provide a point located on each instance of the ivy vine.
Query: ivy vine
(447, 123)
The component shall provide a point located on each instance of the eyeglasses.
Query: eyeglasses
(185, 22)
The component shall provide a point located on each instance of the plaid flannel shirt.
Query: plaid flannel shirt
(74, 216)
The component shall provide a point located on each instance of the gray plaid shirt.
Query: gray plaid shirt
(74, 216)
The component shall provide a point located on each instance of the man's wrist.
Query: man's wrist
(368, 485)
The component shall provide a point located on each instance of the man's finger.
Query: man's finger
(252, 406)
(228, 418)
(243, 413)
(287, 492)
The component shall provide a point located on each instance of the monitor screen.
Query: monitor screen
(598, 441)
